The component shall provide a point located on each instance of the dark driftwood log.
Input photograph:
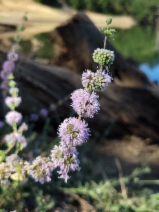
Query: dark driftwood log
(133, 109)
(129, 105)
(131, 98)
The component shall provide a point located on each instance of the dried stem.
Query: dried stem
(105, 40)
(123, 187)
(79, 117)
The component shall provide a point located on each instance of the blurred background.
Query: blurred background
(119, 164)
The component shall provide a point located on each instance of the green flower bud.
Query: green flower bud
(103, 57)
(109, 21)
(14, 92)
(12, 83)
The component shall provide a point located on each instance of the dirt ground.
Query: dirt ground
(132, 151)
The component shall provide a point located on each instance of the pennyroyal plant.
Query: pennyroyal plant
(72, 131)
(75, 131)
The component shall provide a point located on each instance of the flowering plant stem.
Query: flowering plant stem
(72, 131)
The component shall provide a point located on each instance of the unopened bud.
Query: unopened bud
(109, 21)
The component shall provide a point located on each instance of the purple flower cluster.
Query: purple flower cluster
(66, 159)
(95, 81)
(16, 137)
(13, 117)
(34, 117)
(4, 74)
(41, 169)
(1, 124)
(43, 112)
(18, 166)
(84, 103)
(12, 56)
(8, 66)
(13, 102)
(73, 132)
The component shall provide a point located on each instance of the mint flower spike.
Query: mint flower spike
(14, 167)
(97, 81)
(73, 132)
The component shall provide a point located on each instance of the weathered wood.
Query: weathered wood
(129, 105)
(132, 109)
